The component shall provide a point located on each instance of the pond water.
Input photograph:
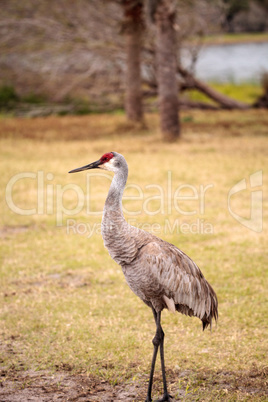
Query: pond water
(231, 63)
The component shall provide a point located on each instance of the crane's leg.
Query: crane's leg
(166, 396)
(156, 345)
(158, 341)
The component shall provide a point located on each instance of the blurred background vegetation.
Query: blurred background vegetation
(71, 57)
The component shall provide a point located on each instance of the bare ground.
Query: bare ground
(65, 386)
(61, 386)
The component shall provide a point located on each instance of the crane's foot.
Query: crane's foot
(166, 398)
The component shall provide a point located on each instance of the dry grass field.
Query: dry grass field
(71, 329)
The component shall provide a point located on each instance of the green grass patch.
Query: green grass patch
(233, 38)
(245, 92)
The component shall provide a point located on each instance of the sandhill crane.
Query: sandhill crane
(156, 271)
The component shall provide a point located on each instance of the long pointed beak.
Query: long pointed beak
(93, 165)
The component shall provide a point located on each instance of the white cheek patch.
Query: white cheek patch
(108, 165)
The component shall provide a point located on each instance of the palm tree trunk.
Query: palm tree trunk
(133, 27)
(166, 69)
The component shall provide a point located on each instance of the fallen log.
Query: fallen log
(183, 103)
(187, 104)
(190, 82)
(224, 101)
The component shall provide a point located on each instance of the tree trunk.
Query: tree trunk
(166, 69)
(133, 27)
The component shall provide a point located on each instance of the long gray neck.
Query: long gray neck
(114, 199)
(121, 239)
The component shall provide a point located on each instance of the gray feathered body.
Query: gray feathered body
(156, 271)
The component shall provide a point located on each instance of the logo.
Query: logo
(255, 197)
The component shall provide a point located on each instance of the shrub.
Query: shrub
(8, 96)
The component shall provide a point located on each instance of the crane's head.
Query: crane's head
(110, 161)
